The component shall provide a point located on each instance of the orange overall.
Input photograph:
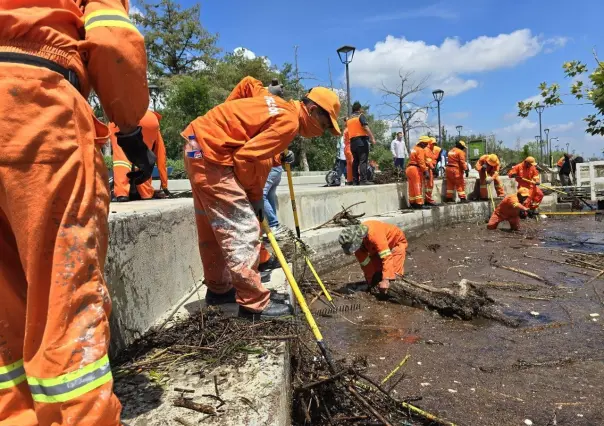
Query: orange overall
(529, 173)
(415, 171)
(508, 209)
(383, 250)
(349, 158)
(122, 166)
(238, 139)
(484, 170)
(432, 152)
(456, 166)
(54, 303)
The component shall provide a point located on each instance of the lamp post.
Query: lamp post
(551, 154)
(539, 108)
(459, 131)
(346, 53)
(548, 148)
(438, 96)
(154, 92)
(407, 115)
(567, 147)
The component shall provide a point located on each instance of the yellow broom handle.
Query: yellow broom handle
(292, 195)
(318, 279)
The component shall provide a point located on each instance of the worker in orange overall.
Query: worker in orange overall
(417, 173)
(380, 249)
(456, 168)
(54, 202)
(228, 156)
(511, 209)
(432, 153)
(121, 166)
(527, 176)
(488, 170)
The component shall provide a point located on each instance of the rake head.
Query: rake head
(343, 308)
(599, 216)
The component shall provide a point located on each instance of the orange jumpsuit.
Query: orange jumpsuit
(238, 139)
(415, 171)
(456, 166)
(54, 202)
(529, 173)
(122, 166)
(508, 209)
(484, 170)
(383, 250)
(432, 152)
(348, 154)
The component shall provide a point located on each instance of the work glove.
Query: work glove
(168, 193)
(375, 280)
(138, 154)
(275, 88)
(427, 174)
(288, 158)
(531, 213)
(467, 173)
(258, 207)
(523, 214)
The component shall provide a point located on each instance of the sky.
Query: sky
(486, 55)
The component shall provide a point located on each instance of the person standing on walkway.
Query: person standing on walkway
(229, 155)
(488, 171)
(565, 169)
(54, 202)
(457, 167)
(341, 169)
(511, 209)
(432, 154)
(417, 172)
(270, 193)
(380, 249)
(527, 176)
(399, 151)
(360, 137)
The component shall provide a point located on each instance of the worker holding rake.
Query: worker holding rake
(527, 176)
(511, 209)
(488, 170)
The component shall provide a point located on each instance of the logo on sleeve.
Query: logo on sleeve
(273, 109)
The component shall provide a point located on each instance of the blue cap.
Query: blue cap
(192, 137)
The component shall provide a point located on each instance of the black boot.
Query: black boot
(122, 199)
(269, 265)
(213, 299)
(463, 200)
(272, 310)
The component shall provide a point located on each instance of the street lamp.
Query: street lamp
(459, 131)
(407, 115)
(438, 96)
(551, 154)
(567, 147)
(346, 53)
(154, 92)
(540, 108)
(548, 148)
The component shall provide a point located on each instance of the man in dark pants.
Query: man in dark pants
(360, 136)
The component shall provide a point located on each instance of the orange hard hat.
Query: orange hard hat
(492, 160)
(424, 139)
(530, 160)
(523, 192)
(432, 141)
(329, 101)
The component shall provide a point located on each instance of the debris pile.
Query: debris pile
(390, 176)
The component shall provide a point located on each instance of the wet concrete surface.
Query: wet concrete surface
(480, 372)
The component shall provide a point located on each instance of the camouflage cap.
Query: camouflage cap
(351, 238)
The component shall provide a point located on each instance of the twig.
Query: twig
(368, 406)
(553, 261)
(202, 408)
(217, 398)
(535, 298)
(523, 272)
(182, 421)
(339, 215)
(597, 294)
(216, 387)
(320, 382)
(595, 278)
(284, 337)
(395, 384)
(393, 372)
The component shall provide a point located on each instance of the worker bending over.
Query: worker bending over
(488, 170)
(54, 202)
(360, 138)
(122, 166)
(527, 176)
(432, 154)
(237, 141)
(417, 173)
(380, 249)
(511, 209)
(565, 168)
(456, 168)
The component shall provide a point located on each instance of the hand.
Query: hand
(258, 207)
(523, 214)
(159, 195)
(288, 158)
(489, 180)
(383, 286)
(138, 153)
(467, 173)
(275, 90)
(377, 277)
(168, 193)
(427, 174)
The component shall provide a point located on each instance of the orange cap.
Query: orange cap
(492, 160)
(530, 160)
(424, 139)
(523, 192)
(329, 101)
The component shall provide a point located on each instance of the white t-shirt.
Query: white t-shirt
(341, 146)
(398, 149)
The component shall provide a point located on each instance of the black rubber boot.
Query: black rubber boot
(424, 207)
(463, 200)
(269, 265)
(272, 310)
(122, 199)
(213, 299)
(265, 277)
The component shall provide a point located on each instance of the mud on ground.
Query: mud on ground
(550, 370)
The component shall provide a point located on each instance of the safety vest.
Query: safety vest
(560, 162)
(355, 129)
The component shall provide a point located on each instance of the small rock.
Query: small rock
(452, 390)
(535, 314)
(455, 381)
(473, 389)
(424, 384)
(594, 319)
(579, 415)
(594, 315)
(419, 363)
(528, 422)
(382, 357)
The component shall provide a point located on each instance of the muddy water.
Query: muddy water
(479, 372)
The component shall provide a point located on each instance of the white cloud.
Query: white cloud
(459, 115)
(135, 11)
(555, 43)
(248, 54)
(520, 126)
(433, 11)
(561, 128)
(445, 64)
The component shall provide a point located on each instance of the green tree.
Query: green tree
(176, 41)
(592, 91)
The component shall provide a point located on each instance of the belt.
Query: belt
(36, 61)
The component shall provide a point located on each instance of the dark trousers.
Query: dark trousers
(564, 179)
(341, 169)
(360, 155)
(400, 163)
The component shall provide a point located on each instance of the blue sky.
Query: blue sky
(485, 54)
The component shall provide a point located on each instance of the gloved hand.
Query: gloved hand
(489, 180)
(531, 213)
(288, 158)
(168, 193)
(275, 88)
(375, 280)
(383, 286)
(523, 214)
(427, 174)
(137, 152)
(467, 173)
(258, 207)
(513, 176)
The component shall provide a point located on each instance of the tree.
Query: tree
(400, 99)
(593, 92)
(176, 41)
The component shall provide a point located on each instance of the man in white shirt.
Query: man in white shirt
(399, 151)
